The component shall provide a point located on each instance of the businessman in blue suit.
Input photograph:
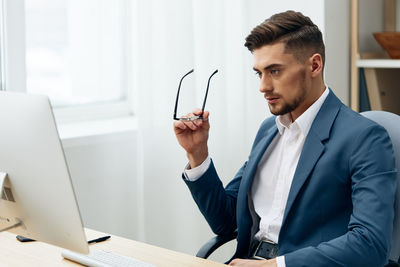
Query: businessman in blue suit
(318, 186)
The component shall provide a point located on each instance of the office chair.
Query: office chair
(391, 122)
(208, 248)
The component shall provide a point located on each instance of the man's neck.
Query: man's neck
(314, 95)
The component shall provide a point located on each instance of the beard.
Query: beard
(287, 107)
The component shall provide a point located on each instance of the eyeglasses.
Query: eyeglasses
(192, 118)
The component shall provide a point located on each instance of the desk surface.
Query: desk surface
(14, 253)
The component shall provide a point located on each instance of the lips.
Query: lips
(272, 99)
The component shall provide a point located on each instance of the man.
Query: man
(318, 186)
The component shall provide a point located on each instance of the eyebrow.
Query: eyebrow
(269, 67)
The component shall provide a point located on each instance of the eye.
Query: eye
(274, 71)
(258, 74)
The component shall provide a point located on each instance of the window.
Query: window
(2, 74)
(77, 53)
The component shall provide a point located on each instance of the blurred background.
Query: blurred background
(111, 69)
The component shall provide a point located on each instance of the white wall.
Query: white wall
(103, 170)
(129, 183)
(337, 47)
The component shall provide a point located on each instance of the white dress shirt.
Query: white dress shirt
(275, 171)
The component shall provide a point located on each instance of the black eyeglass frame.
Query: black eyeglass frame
(192, 118)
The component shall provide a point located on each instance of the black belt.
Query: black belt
(263, 250)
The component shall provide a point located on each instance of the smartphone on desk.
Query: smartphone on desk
(24, 239)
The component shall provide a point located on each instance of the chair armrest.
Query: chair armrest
(213, 244)
(392, 264)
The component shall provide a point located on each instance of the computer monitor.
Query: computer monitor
(38, 191)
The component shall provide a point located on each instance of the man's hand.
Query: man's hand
(193, 136)
(255, 263)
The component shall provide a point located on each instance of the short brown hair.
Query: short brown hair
(299, 34)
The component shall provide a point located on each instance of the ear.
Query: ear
(316, 65)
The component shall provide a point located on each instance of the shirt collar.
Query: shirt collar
(305, 120)
(283, 122)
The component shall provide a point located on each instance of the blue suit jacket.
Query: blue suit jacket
(339, 210)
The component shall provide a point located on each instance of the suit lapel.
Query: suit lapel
(313, 147)
(248, 175)
(256, 156)
(312, 150)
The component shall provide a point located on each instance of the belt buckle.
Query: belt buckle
(254, 256)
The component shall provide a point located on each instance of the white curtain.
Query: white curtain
(173, 37)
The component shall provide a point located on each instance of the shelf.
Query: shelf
(379, 63)
(381, 74)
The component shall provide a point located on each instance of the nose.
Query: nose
(265, 84)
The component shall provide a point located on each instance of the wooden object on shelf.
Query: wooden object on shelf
(390, 41)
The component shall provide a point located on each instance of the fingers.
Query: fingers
(192, 125)
(206, 114)
(183, 125)
(179, 125)
(235, 262)
(197, 111)
(248, 263)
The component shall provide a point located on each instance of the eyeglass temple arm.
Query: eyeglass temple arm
(205, 97)
(177, 94)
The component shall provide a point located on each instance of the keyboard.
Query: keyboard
(102, 258)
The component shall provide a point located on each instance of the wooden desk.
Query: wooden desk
(14, 253)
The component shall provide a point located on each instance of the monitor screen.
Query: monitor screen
(37, 191)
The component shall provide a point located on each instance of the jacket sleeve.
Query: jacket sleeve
(216, 203)
(373, 181)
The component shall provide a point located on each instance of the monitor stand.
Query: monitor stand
(5, 196)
